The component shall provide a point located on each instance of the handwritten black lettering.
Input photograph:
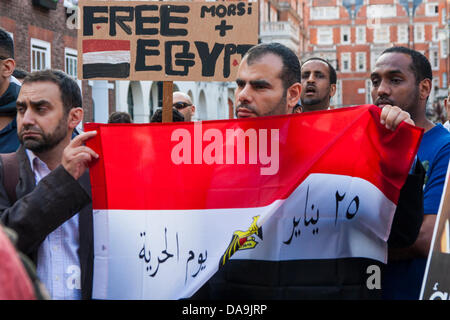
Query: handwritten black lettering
(183, 59)
(141, 20)
(89, 18)
(142, 52)
(311, 220)
(208, 58)
(167, 19)
(350, 215)
(294, 225)
(339, 198)
(191, 257)
(119, 19)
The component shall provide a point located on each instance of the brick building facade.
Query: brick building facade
(42, 39)
(351, 34)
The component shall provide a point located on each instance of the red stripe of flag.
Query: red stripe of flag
(94, 45)
(135, 170)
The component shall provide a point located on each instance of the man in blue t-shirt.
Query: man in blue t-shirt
(9, 90)
(402, 77)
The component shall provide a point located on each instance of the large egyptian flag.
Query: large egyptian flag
(175, 202)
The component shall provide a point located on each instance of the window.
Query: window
(368, 92)
(381, 11)
(431, 9)
(40, 55)
(70, 56)
(419, 32)
(434, 59)
(324, 13)
(346, 62)
(361, 62)
(360, 34)
(324, 35)
(336, 100)
(345, 35)
(435, 31)
(381, 34)
(402, 33)
(444, 47)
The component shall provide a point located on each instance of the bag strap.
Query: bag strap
(10, 174)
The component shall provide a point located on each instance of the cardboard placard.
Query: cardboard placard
(164, 41)
(436, 283)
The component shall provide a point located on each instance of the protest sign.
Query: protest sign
(164, 41)
(436, 283)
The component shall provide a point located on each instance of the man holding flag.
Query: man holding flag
(268, 83)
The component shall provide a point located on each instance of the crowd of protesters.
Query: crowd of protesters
(46, 233)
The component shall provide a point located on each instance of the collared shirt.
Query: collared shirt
(447, 125)
(58, 264)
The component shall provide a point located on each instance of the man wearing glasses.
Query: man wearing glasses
(183, 103)
(9, 142)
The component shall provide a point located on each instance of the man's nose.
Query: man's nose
(383, 89)
(28, 117)
(244, 94)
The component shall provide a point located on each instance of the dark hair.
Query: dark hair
(119, 117)
(332, 71)
(20, 73)
(70, 91)
(177, 116)
(290, 73)
(420, 65)
(6, 44)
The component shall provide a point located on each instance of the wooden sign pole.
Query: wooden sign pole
(167, 101)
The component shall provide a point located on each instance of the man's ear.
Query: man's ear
(75, 117)
(193, 109)
(7, 68)
(425, 88)
(332, 90)
(293, 95)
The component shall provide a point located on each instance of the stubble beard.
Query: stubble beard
(46, 141)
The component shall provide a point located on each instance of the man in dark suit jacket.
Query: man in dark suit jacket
(53, 213)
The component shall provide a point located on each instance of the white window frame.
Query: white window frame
(40, 46)
(368, 92)
(434, 33)
(430, 9)
(434, 59)
(336, 100)
(384, 31)
(402, 33)
(364, 60)
(324, 13)
(360, 31)
(381, 11)
(71, 55)
(419, 32)
(346, 56)
(328, 31)
(346, 30)
(444, 48)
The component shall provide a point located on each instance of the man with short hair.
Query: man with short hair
(9, 90)
(402, 77)
(318, 84)
(268, 83)
(120, 117)
(183, 103)
(52, 215)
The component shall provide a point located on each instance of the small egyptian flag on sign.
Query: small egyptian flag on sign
(106, 59)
